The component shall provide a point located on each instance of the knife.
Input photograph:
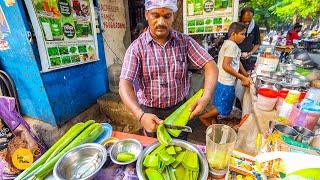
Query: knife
(181, 128)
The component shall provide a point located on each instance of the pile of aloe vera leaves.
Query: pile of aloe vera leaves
(171, 162)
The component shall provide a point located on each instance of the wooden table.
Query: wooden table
(145, 140)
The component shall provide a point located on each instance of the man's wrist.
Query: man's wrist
(141, 116)
(138, 113)
(206, 97)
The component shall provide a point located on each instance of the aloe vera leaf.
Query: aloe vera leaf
(177, 148)
(125, 157)
(179, 159)
(163, 135)
(69, 135)
(153, 174)
(181, 115)
(180, 172)
(162, 166)
(310, 173)
(170, 150)
(151, 161)
(171, 173)
(165, 174)
(191, 161)
(158, 149)
(166, 158)
(90, 133)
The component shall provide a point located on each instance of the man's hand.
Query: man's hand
(245, 82)
(198, 107)
(246, 55)
(150, 122)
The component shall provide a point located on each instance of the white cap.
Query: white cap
(153, 4)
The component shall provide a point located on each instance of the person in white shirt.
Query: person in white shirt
(230, 69)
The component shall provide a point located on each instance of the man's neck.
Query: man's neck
(161, 41)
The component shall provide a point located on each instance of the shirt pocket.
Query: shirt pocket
(179, 70)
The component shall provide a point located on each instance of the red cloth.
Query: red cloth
(292, 35)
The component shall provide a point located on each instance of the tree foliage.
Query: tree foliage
(302, 8)
(274, 13)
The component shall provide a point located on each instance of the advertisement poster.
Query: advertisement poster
(113, 19)
(67, 30)
(209, 16)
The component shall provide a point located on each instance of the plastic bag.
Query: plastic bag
(247, 137)
(19, 148)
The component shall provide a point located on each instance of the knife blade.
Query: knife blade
(181, 128)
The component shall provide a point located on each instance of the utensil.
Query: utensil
(204, 170)
(80, 174)
(220, 141)
(82, 162)
(132, 146)
(286, 130)
(262, 81)
(272, 124)
(304, 134)
(181, 128)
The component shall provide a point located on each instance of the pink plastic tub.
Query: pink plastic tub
(304, 119)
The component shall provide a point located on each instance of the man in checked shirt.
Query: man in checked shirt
(159, 61)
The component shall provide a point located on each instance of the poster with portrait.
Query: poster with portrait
(67, 32)
(209, 16)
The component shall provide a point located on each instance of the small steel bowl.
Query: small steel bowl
(286, 130)
(204, 168)
(304, 134)
(126, 145)
(82, 162)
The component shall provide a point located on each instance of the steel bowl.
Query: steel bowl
(82, 162)
(126, 145)
(286, 130)
(303, 56)
(264, 81)
(304, 134)
(204, 169)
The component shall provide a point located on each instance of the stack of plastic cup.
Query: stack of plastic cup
(287, 106)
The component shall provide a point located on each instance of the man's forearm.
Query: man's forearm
(210, 79)
(254, 49)
(129, 98)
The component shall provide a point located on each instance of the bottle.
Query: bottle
(114, 76)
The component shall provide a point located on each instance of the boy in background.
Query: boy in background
(230, 69)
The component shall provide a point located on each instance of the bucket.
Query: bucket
(303, 119)
(267, 99)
